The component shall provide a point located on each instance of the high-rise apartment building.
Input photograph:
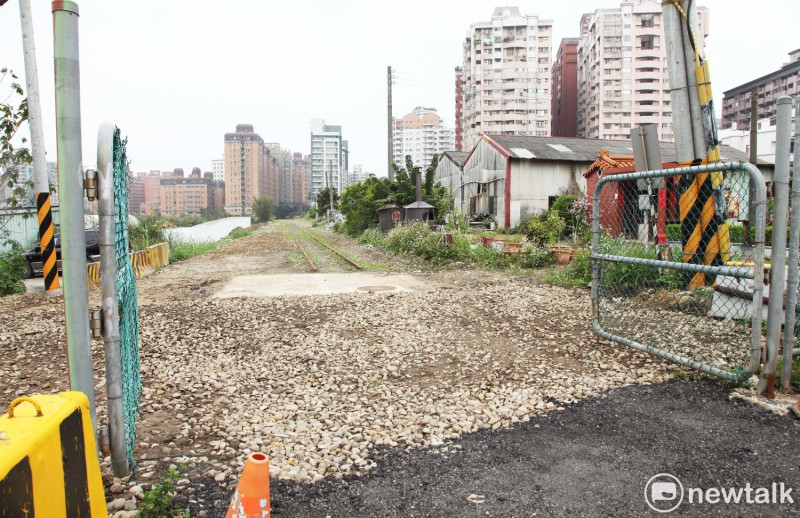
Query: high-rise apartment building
(250, 170)
(301, 179)
(506, 76)
(459, 108)
(565, 89)
(420, 135)
(218, 168)
(736, 103)
(282, 182)
(623, 79)
(328, 156)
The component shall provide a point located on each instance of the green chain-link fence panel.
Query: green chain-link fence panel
(674, 269)
(128, 299)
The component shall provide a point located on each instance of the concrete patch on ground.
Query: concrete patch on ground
(320, 284)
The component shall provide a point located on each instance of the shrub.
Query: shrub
(181, 250)
(563, 208)
(373, 236)
(13, 267)
(577, 274)
(536, 257)
(673, 231)
(160, 500)
(543, 229)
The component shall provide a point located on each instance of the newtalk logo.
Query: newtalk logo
(664, 493)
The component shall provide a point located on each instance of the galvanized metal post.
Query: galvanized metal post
(41, 183)
(766, 383)
(70, 195)
(108, 281)
(789, 335)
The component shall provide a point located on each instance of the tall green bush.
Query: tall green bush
(13, 267)
(543, 229)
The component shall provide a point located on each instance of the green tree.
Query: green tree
(360, 203)
(324, 200)
(263, 208)
(13, 114)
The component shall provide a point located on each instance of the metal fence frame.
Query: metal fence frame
(756, 272)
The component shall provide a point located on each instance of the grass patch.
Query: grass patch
(180, 250)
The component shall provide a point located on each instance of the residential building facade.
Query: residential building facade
(736, 101)
(623, 79)
(506, 76)
(459, 108)
(565, 90)
(218, 168)
(250, 170)
(328, 156)
(420, 135)
(192, 195)
(282, 183)
(301, 179)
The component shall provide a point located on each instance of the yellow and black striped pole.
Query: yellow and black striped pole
(47, 242)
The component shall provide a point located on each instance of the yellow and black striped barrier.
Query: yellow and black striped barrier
(47, 241)
(704, 231)
(158, 255)
(93, 275)
(139, 263)
(48, 459)
(143, 262)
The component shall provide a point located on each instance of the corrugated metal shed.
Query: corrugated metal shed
(457, 157)
(586, 150)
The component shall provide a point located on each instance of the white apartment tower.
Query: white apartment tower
(328, 157)
(218, 168)
(506, 76)
(623, 79)
(421, 134)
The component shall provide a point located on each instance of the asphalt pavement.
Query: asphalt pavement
(596, 458)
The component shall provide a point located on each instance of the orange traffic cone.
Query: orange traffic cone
(251, 498)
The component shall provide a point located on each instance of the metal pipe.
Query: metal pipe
(778, 270)
(789, 335)
(70, 195)
(731, 271)
(108, 282)
(737, 378)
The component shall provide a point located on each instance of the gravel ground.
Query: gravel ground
(332, 387)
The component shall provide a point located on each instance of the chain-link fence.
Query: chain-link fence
(677, 265)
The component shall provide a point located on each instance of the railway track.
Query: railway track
(318, 242)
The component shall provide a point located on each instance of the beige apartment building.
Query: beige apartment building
(506, 76)
(623, 79)
(250, 170)
(301, 179)
(192, 195)
(420, 135)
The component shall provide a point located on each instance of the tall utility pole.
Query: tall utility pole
(330, 188)
(71, 196)
(390, 125)
(41, 182)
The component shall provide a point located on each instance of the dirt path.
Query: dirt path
(323, 383)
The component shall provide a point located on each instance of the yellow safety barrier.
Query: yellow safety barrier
(139, 263)
(158, 255)
(93, 275)
(48, 459)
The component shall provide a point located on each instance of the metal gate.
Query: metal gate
(673, 273)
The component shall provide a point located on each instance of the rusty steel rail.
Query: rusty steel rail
(347, 259)
(308, 259)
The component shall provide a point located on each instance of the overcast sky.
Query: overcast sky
(177, 75)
